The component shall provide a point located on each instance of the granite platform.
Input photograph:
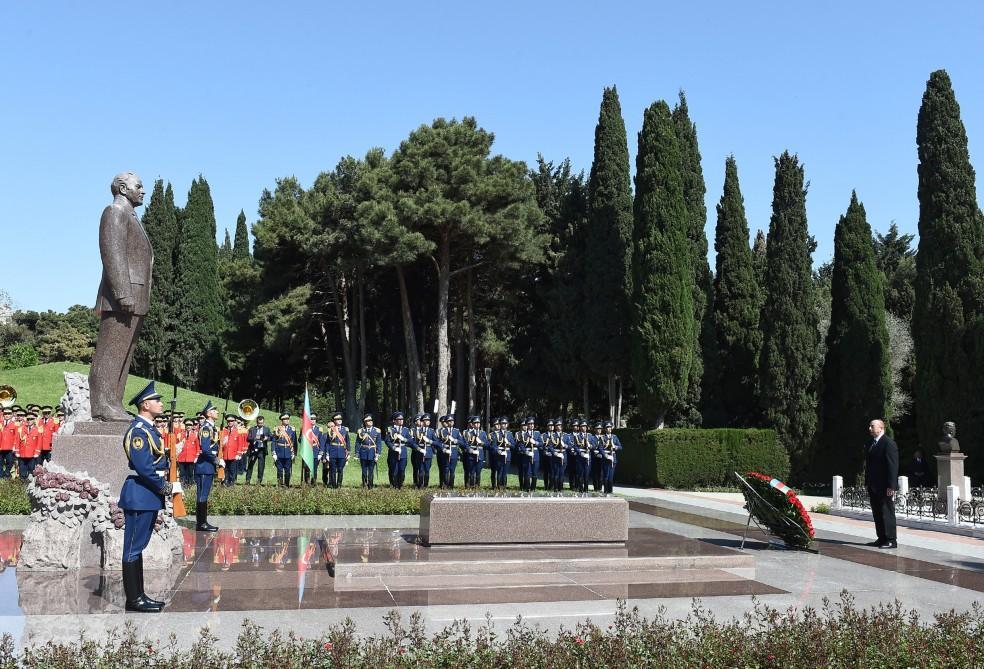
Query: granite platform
(96, 448)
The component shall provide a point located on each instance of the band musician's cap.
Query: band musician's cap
(285, 416)
(60, 412)
(208, 407)
(189, 422)
(148, 393)
(230, 416)
(46, 409)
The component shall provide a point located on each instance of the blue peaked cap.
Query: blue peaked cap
(208, 406)
(148, 393)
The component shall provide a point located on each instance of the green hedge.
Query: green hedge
(691, 458)
(13, 498)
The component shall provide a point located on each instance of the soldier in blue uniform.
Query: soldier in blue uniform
(311, 475)
(546, 455)
(570, 468)
(368, 446)
(449, 442)
(142, 495)
(556, 450)
(473, 453)
(581, 454)
(284, 449)
(596, 457)
(336, 451)
(528, 443)
(425, 440)
(607, 447)
(500, 452)
(206, 465)
(399, 443)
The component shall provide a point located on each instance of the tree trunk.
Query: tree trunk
(472, 352)
(340, 296)
(618, 411)
(443, 345)
(587, 404)
(363, 365)
(387, 409)
(460, 387)
(415, 401)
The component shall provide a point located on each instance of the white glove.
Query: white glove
(221, 462)
(176, 488)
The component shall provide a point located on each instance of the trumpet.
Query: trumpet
(8, 395)
(248, 409)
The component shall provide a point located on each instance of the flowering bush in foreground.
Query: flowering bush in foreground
(839, 635)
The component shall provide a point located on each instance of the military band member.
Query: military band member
(29, 450)
(501, 449)
(528, 442)
(258, 444)
(336, 451)
(48, 428)
(187, 448)
(206, 465)
(142, 495)
(9, 436)
(230, 449)
(284, 449)
(399, 442)
(368, 446)
(473, 454)
(425, 441)
(608, 447)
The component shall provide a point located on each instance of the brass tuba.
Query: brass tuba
(8, 395)
(248, 409)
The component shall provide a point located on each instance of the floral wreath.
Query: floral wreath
(799, 532)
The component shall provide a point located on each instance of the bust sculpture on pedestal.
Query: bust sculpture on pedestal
(124, 296)
(950, 462)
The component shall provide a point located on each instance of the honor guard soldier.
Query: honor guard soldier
(448, 442)
(187, 450)
(502, 444)
(546, 455)
(556, 449)
(230, 449)
(142, 495)
(528, 454)
(596, 457)
(473, 454)
(425, 440)
(608, 447)
(399, 442)
(367, 444)
(311, 475)
(258, 442)
(284, 445)
(336, 451)
(581, 455)
(9, 436)
(206, 465)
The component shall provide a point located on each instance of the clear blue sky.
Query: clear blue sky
(245, 92)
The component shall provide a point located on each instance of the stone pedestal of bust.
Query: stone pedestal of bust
(950, 463)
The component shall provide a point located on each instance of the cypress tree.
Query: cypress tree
(607, 260)
(198, 288)
(946, 319)
(790, 337)
(759, 247)
(225, 251)
(857, 382)
(735, 313)
(662, 276)
(153, 346)
(694, 189)
(240, 248)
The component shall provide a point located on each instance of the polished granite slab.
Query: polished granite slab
(242, 570)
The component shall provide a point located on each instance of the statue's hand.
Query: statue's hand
(126, 305)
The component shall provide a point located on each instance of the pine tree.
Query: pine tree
(790, 336)
(857, 383)
(608, 255)
(151, 357)
(240, 248)
(694, 190)
(946, 320)
(735, 313)
(198, 290)
(662, 275)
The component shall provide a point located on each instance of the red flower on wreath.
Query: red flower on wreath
(800, 514)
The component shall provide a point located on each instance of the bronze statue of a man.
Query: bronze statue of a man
(949, 443)
(124, 296)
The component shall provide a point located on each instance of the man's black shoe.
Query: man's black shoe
(889, 544)
(876, 543)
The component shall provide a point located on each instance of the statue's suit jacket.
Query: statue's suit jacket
(128, 259)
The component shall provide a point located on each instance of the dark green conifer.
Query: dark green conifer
(240, 247)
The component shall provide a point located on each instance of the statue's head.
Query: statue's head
(130, 186)
(950, 428)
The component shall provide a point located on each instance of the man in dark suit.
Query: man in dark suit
(881, 477)
(124, 296)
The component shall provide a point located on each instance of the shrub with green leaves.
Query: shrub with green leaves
(13, 498)
(691, 458)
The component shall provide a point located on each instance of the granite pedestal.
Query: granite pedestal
(950, 467)
(455, 520)
(95, 448)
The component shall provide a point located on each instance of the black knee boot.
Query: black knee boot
(201, 518)
(132, 586)
(143, 592)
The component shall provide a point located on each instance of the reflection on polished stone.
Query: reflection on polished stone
(240, 570)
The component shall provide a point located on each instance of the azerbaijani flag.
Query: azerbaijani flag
(306, 450)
